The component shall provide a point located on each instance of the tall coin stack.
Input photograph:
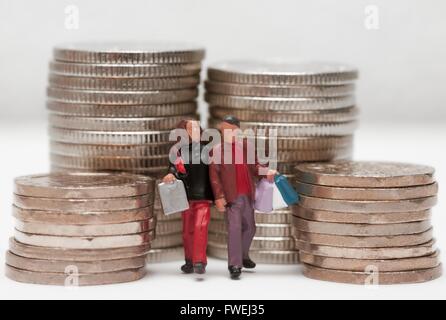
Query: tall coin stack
(367, 222)
(312, 107)
(81, 229)
(112, 107)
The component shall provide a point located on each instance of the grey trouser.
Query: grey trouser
(241, 230)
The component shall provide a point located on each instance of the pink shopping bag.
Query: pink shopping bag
(264, 196)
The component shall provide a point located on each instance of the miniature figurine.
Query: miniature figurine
(234, 190)
(194, 172)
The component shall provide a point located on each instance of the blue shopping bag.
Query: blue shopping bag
(290, 196)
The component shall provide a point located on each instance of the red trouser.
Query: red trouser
(195, 231)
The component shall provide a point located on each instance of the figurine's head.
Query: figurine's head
(230, 128)
(193, 129)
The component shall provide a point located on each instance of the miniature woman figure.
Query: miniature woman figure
(190, 167)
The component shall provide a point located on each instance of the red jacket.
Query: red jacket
(223, 176)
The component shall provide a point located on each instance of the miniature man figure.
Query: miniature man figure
(234, 190)
(193, 170)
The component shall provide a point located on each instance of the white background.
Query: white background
(402, 63)
(401, 95)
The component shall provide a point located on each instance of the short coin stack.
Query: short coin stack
(81, 229)
(112, 106)
(367, 222)
(312, 108)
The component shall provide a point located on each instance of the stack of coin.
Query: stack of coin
(366, 222)
(112, 106)
(81, 228)
(312, 108)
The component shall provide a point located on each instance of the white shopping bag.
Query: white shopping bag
(173, 197)
(278, 202)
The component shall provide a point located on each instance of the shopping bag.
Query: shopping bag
(278, 201)
(264, 196)
(290, 196)
(173, 197)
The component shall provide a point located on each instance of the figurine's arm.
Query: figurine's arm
(263, 171)
(216, 184)
(173, 170)
(172, 173)
(214, 175)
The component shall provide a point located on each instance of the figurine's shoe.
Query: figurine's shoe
(188, 268)
(249, 264)
(235, 272)
(200, 268)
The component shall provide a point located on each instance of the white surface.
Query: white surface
(24, 151)
(402, 63)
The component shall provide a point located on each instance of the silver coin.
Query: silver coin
(296, 130)
(361, 218)
(129, 53)
(53, 266)
(88, 150)
(249, 90)
(108, 137)
(277, 104)
(97, 230)
(368, 253)
(306, 155)
(366, 278)
(323, 116)
(76, 255)
(358, 194)
(310, 129)
(83, 218)
(118, 124)
(306, 143)
(349, 229)
(105, 242)
(121, 97)
(121, 111)
(282, 72)
(360, 265)
(368, 206)
(365, 174)
(83, 185)
(60, 279)
(365, 242)
(125, 70)
(122, 84)
(155, 172)
(110, 163)
(83, 205)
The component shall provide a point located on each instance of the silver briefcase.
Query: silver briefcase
(173, 197)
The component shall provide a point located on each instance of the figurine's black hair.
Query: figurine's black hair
(232, 120)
